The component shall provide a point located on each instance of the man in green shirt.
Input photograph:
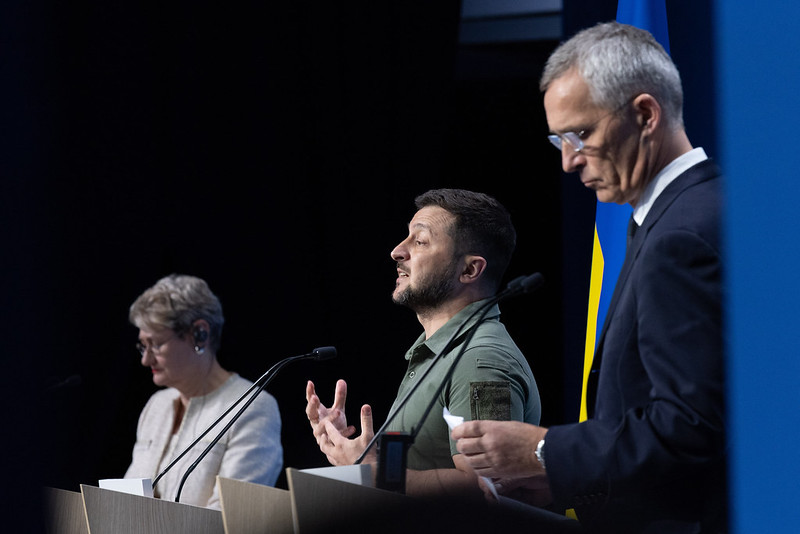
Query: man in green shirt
(453, 260)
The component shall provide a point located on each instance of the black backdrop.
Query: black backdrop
(273, 149)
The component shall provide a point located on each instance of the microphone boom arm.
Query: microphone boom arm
(320, 353)
(277, 367)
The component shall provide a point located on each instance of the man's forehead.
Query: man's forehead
(431, 218)
(571, 82)
(567, 102)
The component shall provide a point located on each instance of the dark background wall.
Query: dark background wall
(273, 149)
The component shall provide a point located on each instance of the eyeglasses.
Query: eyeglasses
(575, 139)
(154, 348)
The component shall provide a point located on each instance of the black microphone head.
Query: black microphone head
(324, 353)
(532, 282)
(521, 285)
(515, 284)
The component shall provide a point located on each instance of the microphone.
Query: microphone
(523, 285)
(518, 286)
(318, 354)
(323, 353)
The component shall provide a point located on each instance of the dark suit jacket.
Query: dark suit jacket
(651, 458)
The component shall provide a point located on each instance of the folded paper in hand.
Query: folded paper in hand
(452, 422)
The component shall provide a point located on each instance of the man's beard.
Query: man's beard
(430, 293)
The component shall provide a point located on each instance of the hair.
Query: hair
(619, 62)
(482, 226)
(176, 302)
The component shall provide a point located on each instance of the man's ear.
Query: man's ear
(649, 114)
(473, 269)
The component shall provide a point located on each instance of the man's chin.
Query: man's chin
(400, 298)
(407, 299)
(608, 197)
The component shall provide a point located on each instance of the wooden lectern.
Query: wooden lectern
(64, 511)
(249, 508)
(324, 504)
(317, 502)
(114, 512)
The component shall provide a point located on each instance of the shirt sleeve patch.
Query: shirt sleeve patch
(490, 400)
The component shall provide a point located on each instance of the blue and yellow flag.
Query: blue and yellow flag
(611, 220)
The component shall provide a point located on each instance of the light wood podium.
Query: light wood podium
(114, 512)
(315, 503)
(320, 504)
(325, 505)
(65, 513)
(249, 508)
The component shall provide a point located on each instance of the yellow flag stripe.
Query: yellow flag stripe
(595, 287)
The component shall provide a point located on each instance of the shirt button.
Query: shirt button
(412, 374)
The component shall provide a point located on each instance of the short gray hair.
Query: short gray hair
(176, 302)
(619, 62)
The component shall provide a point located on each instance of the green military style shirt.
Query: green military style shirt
(491, 381)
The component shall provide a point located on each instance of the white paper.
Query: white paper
(134, 486)
(452, 422)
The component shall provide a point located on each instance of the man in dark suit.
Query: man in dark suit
(652, 455)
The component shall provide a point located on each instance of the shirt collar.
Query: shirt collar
(665, 177)
(463, 319)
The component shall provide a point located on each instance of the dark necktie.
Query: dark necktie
(632, 227)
